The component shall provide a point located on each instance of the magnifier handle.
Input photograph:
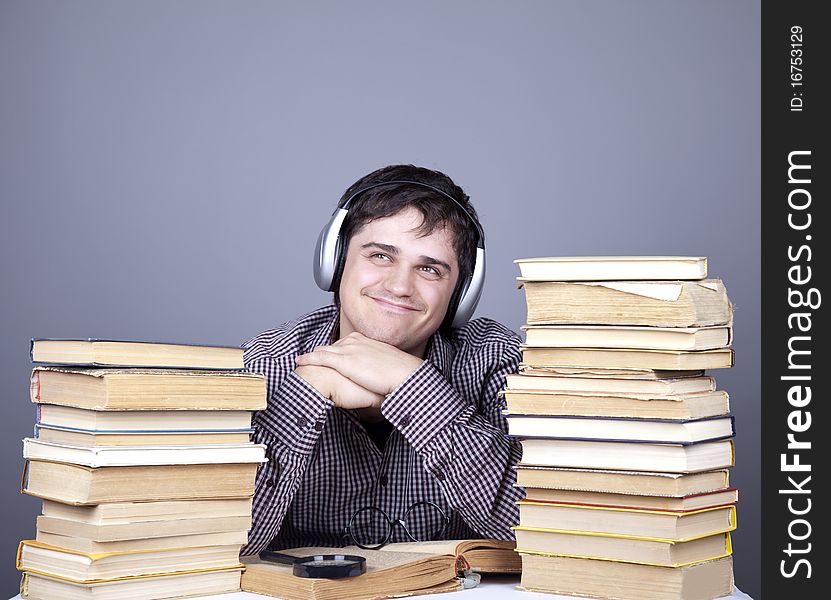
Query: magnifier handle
(278, 557)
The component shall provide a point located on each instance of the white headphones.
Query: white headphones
(330, 249)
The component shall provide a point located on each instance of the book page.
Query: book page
(376, 560)
(435, 547)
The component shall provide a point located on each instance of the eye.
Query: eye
(380, 256)
(431, 271)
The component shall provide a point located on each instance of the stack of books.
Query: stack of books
(143, 460)
(626, 441)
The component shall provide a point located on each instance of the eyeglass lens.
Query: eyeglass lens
(424, 521)
(370, 527)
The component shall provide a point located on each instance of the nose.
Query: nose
(399, 280)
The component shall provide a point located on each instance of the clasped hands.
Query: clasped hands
(356, 372)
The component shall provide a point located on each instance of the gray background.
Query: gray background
(165, 167)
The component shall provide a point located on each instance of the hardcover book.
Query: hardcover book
(688, 502)
(652, 383)
(630, 549)
(129, 353)
(111, 456)
(619, 358)
(79, 485)
(96, 437)
(616, 336)
(626, 581)
(609, 404)
(154, 519)
(628, 456)
(620, 429)
(80, 567)
(148, 389)
(85, 545)
(599, 268)
(36, 586)
(649, 303)
(675, 526)
(70, 417)
(643, 483)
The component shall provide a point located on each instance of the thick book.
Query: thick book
(35, 586)
(112, 456)
(649, 303)
(646, 374)
(70, 417)
(237, 537)
(617, 336)
(642, 483)
(629, 549)
(129, 353)
(97, 437)
(611, 268)
(80, 485)
(626, 581)
(388, 575)
(675, 526)
(148, 389)
(720, 497)
(113, 520)
(654, 386)
(628, 456)
(133, 520)
(576, 427)
(608, 404)
(80, 567)
(620, 358)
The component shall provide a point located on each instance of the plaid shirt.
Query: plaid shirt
(449, 444)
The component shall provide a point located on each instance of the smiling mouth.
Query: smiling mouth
(393, 307)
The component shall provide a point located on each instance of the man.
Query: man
(380, 407)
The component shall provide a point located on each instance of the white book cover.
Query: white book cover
(613, 268)
(110, 456)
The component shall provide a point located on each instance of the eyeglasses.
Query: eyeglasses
(371, 528)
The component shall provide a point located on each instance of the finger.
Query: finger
(323, 358)
(350, 340)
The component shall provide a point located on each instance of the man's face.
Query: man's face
(396, 286)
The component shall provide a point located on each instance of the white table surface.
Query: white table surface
(493, 587)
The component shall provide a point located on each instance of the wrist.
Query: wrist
(316, 377)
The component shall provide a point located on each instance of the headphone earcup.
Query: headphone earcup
(328, 252)
(469, 297)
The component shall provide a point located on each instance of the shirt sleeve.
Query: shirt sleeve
(464, 443)
(289, 427)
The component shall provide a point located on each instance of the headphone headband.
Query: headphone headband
(344, 203)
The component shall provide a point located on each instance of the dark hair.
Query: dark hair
(437, 211)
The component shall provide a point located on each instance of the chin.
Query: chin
(395, 334)
(389, 335)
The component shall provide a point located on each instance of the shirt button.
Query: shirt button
(318, 425)
(405, 420)
(439, 475)
(302, 422)
(383, 480)
(269, 482)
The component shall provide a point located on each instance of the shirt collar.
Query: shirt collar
(325, 335)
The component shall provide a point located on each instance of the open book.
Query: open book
(397, 570)
(481, 556)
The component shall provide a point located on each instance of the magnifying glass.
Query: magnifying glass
(323, 566)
